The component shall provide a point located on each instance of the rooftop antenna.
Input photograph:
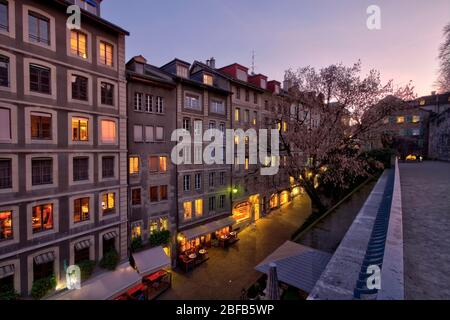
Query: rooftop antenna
(253, 62)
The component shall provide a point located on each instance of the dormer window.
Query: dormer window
(277, 89)
(182, 71)
(242, 75)
(263, 84)
(208, 79)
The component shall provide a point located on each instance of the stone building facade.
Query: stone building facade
(63, 146)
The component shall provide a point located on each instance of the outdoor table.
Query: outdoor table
(202, 251)
(192, 256)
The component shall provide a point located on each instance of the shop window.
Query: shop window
(153, 226)
(109, 245)
(242, 211)
(136, 230)
(82, 255)
(43, 270)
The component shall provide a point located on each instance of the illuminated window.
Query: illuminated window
(208, 79)
(401, 119)
(187, 210)
(106, 53)
(108, 202)
(422, 102)
(279, 125)
(416, 119)
(6, 225)
(237, 112)
(255, 118)
(136, 230)
(164, 223)
(236, 140)
(80, 129)
(284, 126)
(42, 219)
(153, 226)
(108, 131)
(246, 163)
(134, 165)
(81, 210)
(78, 43)
(199, 207)
(163, 164)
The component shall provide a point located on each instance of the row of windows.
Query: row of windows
(41, 127)
(247, 95)
(150, 104)
(197, 126)
(39, 29)
(148, 133)
(154, 225)
(156, 164)
(402, 119)
(43, 217)
(195, 208)
(194, 102)
(156, 194)
(245, 116)
(212, 176)
(42, 81)
(43, 170)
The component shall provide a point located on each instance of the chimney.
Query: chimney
(211, 63)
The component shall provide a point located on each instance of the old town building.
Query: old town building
(63, 146)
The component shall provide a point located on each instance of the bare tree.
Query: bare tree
(323, 118)
(443, 82)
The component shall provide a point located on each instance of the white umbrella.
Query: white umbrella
(272, 290)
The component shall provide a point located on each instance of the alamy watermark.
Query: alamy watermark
(374, 20)
(228, 147)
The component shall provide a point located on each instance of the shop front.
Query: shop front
(242, 212)
(284, 197)
(193, 244)
(145, 277)
(274, 201)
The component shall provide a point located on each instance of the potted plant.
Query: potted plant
(110, 260)
(43, 286)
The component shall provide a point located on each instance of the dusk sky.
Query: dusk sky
(288, 34)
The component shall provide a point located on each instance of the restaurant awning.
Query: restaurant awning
(82, 245)
(44, 258)
(106, 286)
(208, 228)
(297, 265)
(6, 271)
(110, 235)
(150, 261)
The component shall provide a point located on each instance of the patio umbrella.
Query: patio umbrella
(273, 292)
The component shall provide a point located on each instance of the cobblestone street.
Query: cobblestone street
(228, 271)
(426, 225)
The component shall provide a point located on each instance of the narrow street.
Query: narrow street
(228, 271)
